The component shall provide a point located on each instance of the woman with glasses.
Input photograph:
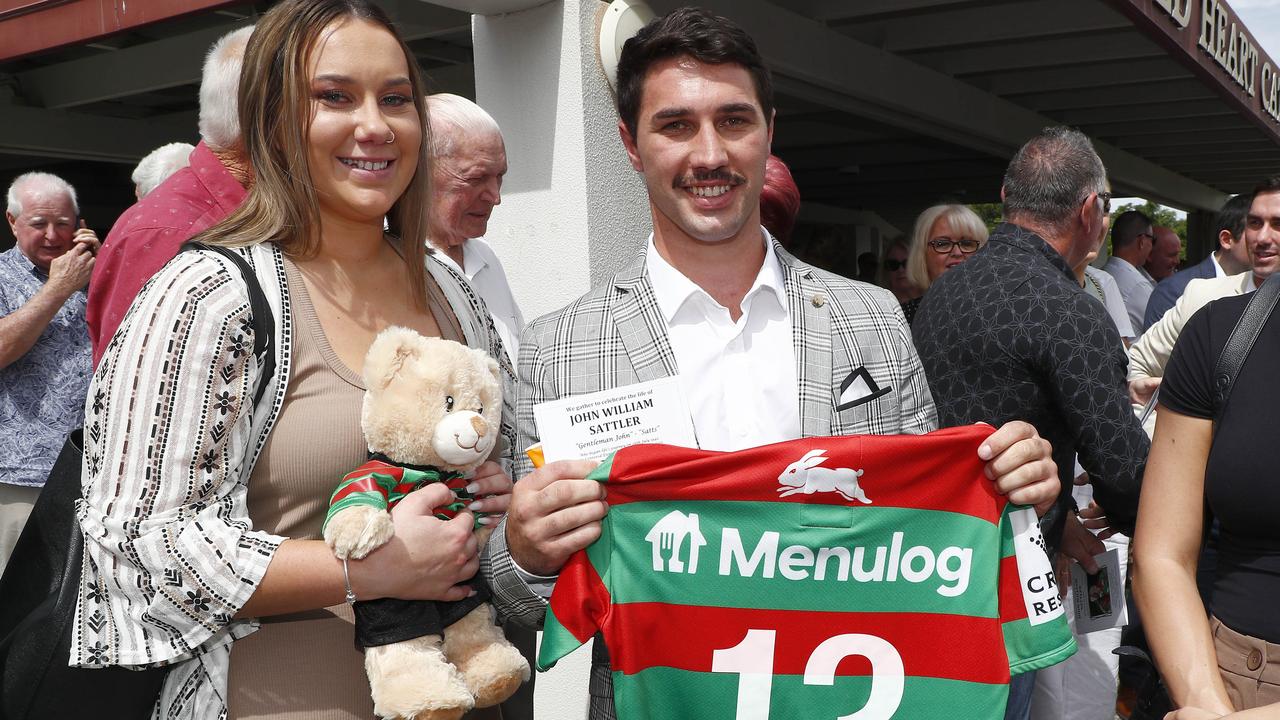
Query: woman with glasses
(944, 236)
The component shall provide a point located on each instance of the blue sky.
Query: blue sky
(1262, 17)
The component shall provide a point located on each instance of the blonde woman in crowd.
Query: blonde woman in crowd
(944, 236)
(202, 513)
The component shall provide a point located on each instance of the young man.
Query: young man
(762, 344)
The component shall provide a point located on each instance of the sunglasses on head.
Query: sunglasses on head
(892, 265)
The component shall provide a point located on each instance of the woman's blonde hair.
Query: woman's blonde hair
(275, 120)
(961, 219)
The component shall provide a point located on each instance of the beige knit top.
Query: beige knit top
(305, 665)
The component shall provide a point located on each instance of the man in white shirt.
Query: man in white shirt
(469, 160)
(1131, 242)
(767, 348)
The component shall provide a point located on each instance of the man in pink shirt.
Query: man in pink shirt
(196, 197)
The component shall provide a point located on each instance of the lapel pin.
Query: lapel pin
(818, 301)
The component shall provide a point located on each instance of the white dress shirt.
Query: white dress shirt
(1135, 287)
(739, 377)
(481, 267)
(1217, 267)
(1112, 299)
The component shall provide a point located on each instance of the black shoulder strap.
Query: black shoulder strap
(264, 325)
(1241, 341)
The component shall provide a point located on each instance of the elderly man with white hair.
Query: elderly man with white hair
(44, 351)
(469, 160)
(191, 200)
(158, 165)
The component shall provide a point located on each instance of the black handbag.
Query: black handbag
(41, 583)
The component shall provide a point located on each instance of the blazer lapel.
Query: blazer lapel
(811, 337)
(635, 311)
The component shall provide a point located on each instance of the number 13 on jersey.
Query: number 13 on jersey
(752, 661)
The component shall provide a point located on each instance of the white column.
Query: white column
(573, 210)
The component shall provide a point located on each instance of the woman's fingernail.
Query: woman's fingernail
(471, 593)
(486, 520)
(476, 506)
(473, 488)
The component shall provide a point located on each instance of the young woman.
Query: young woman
(202, 513)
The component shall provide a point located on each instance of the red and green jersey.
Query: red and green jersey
(873, 577)
(381, 485)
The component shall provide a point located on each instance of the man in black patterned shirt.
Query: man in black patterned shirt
(1010, 335)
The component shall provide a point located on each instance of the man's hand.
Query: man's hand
(1141, 389)
(1094, 519)
(1021, 464)
(87, 237)
(71, 270)
(554, 513)
(1078, 544)
(1081, 545)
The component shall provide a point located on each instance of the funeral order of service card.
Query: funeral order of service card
(594, 425)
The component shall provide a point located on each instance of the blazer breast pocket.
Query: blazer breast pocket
(860, 388)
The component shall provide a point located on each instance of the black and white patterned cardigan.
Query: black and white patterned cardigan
(170, 552)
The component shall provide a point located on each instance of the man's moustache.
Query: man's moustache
(730, 178)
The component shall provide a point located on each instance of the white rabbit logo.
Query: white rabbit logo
(804, 476)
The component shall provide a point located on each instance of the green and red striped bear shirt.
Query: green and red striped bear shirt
(891, 581)
(382, 485)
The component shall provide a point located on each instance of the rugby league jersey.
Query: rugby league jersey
(867, 577)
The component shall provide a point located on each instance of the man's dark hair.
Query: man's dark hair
(1051, 175)
(1127, 227)
(698, 34)
(1233, 214)
(1268, 185)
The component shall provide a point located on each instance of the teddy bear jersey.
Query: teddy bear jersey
(381, 484)
(867, 577)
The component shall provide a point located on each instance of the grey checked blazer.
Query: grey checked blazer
(615, 335)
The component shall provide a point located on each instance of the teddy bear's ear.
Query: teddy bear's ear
(388, 354)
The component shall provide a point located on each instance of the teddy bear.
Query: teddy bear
(432, 411)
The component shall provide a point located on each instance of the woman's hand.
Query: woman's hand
(427, 558)
(492, 488)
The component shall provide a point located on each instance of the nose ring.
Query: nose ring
(392, 138)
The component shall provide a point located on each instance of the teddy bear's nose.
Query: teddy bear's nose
(481, 427)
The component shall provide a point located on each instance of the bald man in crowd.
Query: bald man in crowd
(1166, 251)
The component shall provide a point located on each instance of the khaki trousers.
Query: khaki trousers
(1250, 667)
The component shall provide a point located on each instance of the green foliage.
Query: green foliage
(991, 213)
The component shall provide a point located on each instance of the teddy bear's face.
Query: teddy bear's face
(430, 401)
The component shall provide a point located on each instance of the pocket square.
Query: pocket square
(859, 388)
